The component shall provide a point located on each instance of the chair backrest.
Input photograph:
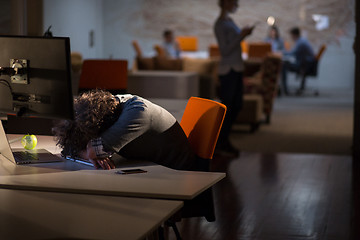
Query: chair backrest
(259, 49)
(214, 50)
(187, 43)
(201, 122)
(287, 46)
(137, 48)
(76, 57)
(104, 74)
(321, 52)
(76, 61)
(160, 51)
(312, 69)
(244, 47)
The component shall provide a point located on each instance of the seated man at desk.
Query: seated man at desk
(300, 58)
(170, 45)
(131, 126)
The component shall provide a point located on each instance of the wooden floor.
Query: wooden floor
(278, 196)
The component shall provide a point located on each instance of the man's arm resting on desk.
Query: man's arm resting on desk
(92, 154)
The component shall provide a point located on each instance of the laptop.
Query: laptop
(21, 156)
(78, 160)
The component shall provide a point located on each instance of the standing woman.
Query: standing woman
(230, 70)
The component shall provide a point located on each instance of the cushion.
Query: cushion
(145, 63)
(161, 63)
(203, 67)
(256, 79)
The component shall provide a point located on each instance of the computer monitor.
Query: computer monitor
(35, 77)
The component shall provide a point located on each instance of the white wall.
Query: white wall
(124, 22)
(337, 67)
(75, 19)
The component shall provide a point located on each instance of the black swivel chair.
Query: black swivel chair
(310, 71)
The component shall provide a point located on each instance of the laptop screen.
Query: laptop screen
(5, 149)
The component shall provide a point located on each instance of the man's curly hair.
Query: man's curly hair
(95, 111)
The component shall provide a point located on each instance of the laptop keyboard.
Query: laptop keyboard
(25, 157)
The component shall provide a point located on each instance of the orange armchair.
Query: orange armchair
(160, 51)
(137, 48)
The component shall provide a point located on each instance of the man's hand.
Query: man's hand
(104, 163)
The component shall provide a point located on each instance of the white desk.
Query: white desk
(44, 215)
(158, 182)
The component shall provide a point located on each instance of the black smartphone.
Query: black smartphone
(130, 171)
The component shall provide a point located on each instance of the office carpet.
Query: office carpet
(304, 124)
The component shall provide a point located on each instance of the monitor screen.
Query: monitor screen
(35, 77)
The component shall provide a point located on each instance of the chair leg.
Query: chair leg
(174, 227)
(301, 90)
(161, 233)
(267, 119)
(254, 127)
(302, 85)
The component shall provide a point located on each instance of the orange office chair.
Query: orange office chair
(104, 74)
(321, 52)
(201, 122)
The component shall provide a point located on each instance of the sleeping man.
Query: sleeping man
(129, 125)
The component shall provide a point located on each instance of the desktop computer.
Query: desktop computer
(35, 80)
(35, 77)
